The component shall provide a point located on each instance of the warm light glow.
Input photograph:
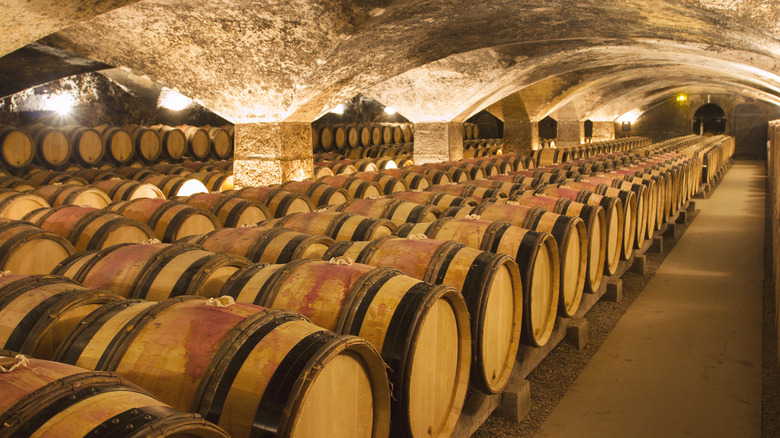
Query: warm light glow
(339, 109)
(389, 110)
(552, 144)
(682, 98)
(390, 165)
(62, 103)
(173, 100)
(191, 187)
(299, 175)
(629, 117)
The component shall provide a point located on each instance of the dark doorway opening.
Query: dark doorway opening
(588, 127)
(548, 129)
(488, 125)
(749, 126)
(709, 119)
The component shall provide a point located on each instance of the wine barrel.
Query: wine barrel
(44, 398)
(569, 233)
(536, 253)
(16, 184)
(66, 194)
(467, 191)
(27, 249)
(231, 210)
(88, 228)
(439, 199)
(16, 148)
(326, 138)
(415, 181)
(125, 189)
(265, 243)
(170, 169)
(320, 193)
(397, 210)
(15, 205)
(154, 271)
(221, 146)
(174, 185)
(216, 181)
(94, 175)
(356, 187)
(136, 173)
(281, 202)
(428, 353)
(320, 171)
(595, 224)
(170, 220)
(38, 311)
(52, 146)
(434, 175)
(48, 177)
(173, 141)
(490, 284)
(640, 192)
(252, 371)
(117, 144)
(389, 183)
(198, 142)
(338, 226)
(87, 145)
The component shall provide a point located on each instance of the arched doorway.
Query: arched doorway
(749, 126)
(710, 119)
(548, 128)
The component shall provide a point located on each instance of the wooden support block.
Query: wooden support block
(476, 409)
(674, 230)
(657, 244)
(515, 401)
(614, 291)
(691, 206)
(577, 333)
(682, 216)
(640, 265)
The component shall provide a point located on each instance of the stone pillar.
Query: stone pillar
(520, 136)
(272, 153)
(603, 131)
(437, 141)
(570, 132)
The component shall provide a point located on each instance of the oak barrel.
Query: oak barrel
(66, 194)
(336, 225)
(27, 249)
(281, 202)
(231, 210)
(127, 189)
(15, 205)
(396, 210)
(16, 148)
(170, 220)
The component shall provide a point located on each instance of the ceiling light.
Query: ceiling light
(389, 110)
(173, 100)
(629, 117)
(338, 109)
(62, 103)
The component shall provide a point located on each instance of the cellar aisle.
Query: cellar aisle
(685, 359)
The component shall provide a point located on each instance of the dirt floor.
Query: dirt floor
(555, 375)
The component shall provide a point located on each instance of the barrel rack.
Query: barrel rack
(514, 403)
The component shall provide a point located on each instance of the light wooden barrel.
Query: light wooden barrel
(17, 184)
(524, 180)
(569, 232)
(38, 311)
(46, 177)
(117, 144)
(16, 148)
(252, 371)
(326, 138)
(320, 193)
(136, 173)
(456, 173)
(231, 210)
(170, 220)
(338, 226)
(440, 199)
(613, 219)
(216, 181)
(173, 140)
(27, 249)
(490, 284)
(416, 181)
(66, 194)
(640, 192)
(174, 185)
(356, 187)
(281, 202)
(397, 211)
(467, 191)
(436, 176)
(536, 253)
(94, 175)
(52, 146)
(125, 189)
(170, 169)
(388, 183)
(221, 145)
(265, 243)
(45, 398)
(420, 329)
(88, 228)
(87, 145)
(15, 205)
(595, 224)
(154, 271)
(365, 135)
(198, 142)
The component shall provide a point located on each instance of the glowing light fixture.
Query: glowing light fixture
(682, 98)
(338, 109)
(173, 100)
(62, 103)
(390, 110)
(629, 117)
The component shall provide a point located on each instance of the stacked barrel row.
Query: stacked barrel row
(57, 147)
(345, 137)
(560, 154)
(482, 147)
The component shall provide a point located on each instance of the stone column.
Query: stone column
(272, 153)
(603, 131)
(570, 132)
(437, 141)
(520, 136)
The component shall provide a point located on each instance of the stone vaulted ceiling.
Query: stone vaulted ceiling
(434, 60)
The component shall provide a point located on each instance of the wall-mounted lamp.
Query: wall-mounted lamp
(682, 98)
